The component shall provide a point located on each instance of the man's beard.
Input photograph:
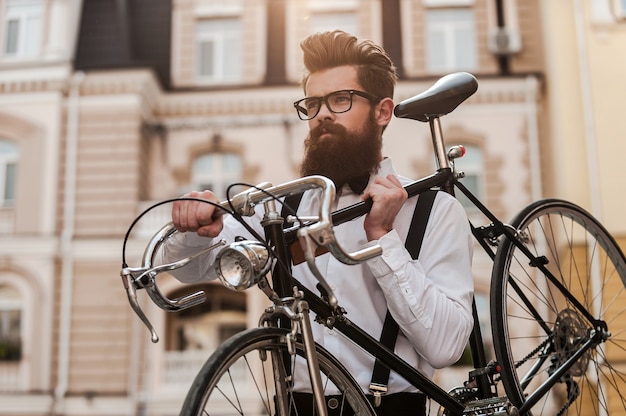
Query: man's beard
(344, 156)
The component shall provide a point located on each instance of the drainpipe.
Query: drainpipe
(588, 112)
(67, 235)
(503, 60)
(536, 191)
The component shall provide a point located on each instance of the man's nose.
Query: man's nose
(325, 112)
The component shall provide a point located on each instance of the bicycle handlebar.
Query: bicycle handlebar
(311, 235)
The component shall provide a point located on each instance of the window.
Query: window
(327, 15)
(9, 155)
(23, 25)
(450, 40)
(216, 171)
(10, 324)
(472, 165)
(208, 325)
(321, 22)
(218, 50)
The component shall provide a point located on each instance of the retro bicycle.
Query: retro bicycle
(557, 301)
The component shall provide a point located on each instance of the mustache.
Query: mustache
(327, 127)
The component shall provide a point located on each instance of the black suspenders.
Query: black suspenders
(413, 243)
(389, 334)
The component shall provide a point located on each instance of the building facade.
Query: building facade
(108, 106)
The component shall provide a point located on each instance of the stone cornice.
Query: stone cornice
(247, 102)
(123, 82)
(490, 90)
(47, 78)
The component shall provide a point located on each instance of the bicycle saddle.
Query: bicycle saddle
(440, 99)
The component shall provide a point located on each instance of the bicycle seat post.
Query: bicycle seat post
(438, 143)
(439, 147)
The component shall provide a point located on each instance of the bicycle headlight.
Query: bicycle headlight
(241, 264)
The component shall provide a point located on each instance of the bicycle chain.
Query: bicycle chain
(528, 356)
(573, 391)
(533, 352)
(572, 386)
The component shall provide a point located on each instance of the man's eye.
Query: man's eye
(311, 104)
(340, 98)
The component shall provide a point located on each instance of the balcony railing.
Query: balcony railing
(180, 367)
(7, 220)
(12, 377)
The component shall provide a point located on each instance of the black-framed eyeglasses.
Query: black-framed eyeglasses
(337, 102)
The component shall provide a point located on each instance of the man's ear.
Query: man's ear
(384, 111)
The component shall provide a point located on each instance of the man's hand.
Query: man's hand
(388, 195)
(205, 219)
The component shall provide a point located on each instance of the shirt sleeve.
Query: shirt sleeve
(202, 268)
(431, 298)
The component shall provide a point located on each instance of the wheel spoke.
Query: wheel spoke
(247, 375)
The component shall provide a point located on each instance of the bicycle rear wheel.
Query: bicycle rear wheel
(246, 376)
(539, 323)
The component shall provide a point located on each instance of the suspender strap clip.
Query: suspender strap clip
(378, 391)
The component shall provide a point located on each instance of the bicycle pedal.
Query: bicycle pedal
(494, 406)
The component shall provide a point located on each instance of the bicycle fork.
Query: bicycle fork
(297, 310)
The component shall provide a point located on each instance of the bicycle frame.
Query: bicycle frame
(439, 100)
(445, 178)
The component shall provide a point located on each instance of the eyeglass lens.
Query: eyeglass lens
(337, 102)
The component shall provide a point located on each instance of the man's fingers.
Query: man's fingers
(393, 179)
(193, 215)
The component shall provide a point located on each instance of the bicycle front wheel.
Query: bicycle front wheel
(253, 373)
(560, 313)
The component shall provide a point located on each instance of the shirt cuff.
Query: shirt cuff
(393, 257)
(190, 239)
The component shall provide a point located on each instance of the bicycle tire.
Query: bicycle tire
(537, 331)
(220, 389)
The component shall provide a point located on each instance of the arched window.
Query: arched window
(10, 323)
(9, 156)
(194, 333)
(206, 326)
(216, 171)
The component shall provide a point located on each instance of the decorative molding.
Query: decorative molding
(21, 86)
(490, 91)
(123, 82)
(246, 102)
(34, 77)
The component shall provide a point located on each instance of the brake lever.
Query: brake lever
(306, 241)
(135, 278)
(131, 292)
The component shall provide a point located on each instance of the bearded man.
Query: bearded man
(349, 86)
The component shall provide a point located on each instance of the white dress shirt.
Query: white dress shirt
(430, 298)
